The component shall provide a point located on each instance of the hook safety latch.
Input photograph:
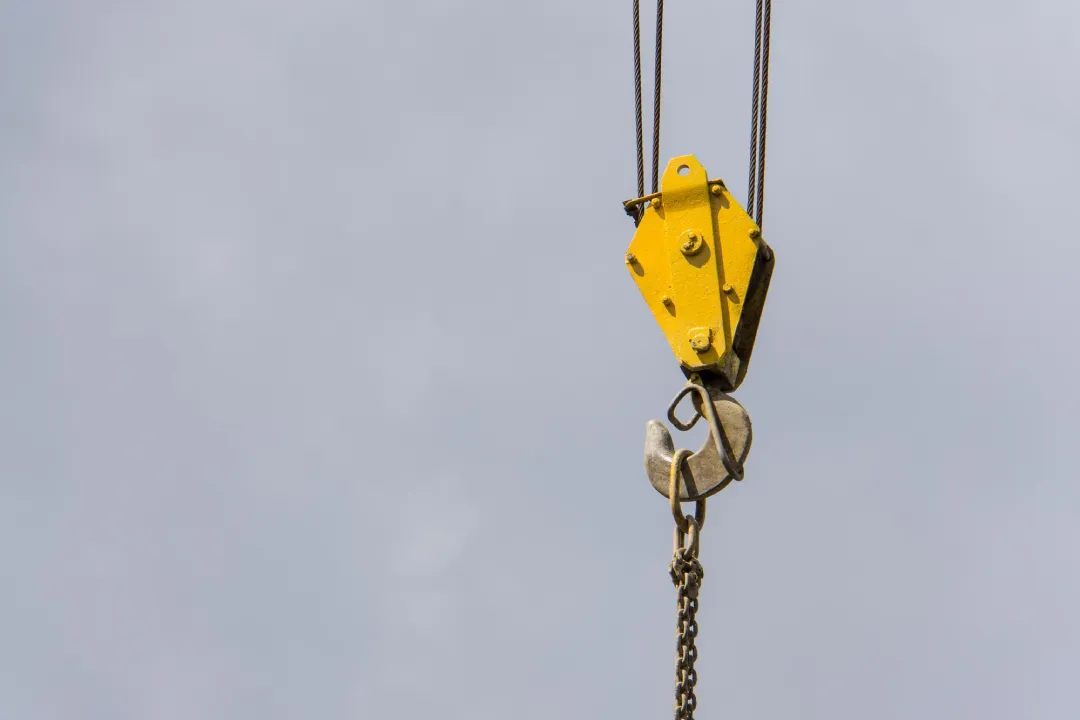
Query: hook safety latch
(718, 462)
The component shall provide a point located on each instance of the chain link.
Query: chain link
(686, 573)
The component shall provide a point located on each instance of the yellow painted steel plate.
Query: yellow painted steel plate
(700, 263)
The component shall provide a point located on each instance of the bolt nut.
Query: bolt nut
(717, 190)
(692, 242)
(728, 288)
(630, 258)
(655, 202)
(667, 301)
(701, 339)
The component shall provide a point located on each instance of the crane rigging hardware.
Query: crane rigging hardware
(703, 269)
(701, 264)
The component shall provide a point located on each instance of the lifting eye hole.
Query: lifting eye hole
(683, 170)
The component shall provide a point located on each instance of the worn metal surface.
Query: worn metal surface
(682, 524)
(718, 462)
(700, 263)
(687, 573)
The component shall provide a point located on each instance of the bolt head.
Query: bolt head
(655, 202)
(700, 339)
(700, 343)
(728, 288)
(667, 301)
(717, 190)
(692, 242)
(630, 258)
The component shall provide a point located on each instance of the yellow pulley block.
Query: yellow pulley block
(700, 263)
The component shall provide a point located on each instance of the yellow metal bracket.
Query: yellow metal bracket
(703, 268)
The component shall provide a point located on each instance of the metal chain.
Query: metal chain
(686, 574)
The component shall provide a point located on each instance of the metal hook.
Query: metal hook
(720, 459)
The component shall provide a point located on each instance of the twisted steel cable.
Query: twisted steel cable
(751, 183)
(764, 112)
(637, 100)
(656, 95)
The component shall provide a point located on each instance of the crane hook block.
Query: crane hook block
(703, 268)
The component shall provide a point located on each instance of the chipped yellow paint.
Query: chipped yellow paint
(693, 258)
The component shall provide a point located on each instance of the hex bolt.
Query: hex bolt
(630, 258)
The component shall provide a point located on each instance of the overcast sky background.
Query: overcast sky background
(324, 385)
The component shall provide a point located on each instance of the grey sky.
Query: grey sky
(324, 385)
